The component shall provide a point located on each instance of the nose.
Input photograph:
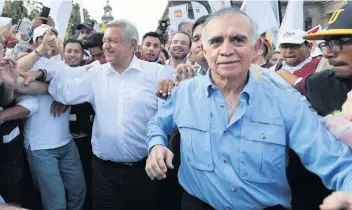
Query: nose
(328, 53)
(106, 46)
(227, 49)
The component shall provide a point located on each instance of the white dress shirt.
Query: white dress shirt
(123, 103)
(42, 130)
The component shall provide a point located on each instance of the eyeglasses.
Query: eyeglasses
(285, 47)
(334, 45)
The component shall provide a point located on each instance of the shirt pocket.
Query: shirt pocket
(196, 145)
(263, 150)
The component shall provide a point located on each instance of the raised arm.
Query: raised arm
(72, 90)
(8, 75)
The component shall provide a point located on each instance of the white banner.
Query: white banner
(216, 5)
(2, 4)
(293, 19)
(177, 14)
(60, 11)
(262, 13)
(199, 10)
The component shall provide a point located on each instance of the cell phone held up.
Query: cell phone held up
(25, 26)
(45, 14)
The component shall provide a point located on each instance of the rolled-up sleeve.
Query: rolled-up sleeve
(318, 149)
(31, 103)
(161, 124)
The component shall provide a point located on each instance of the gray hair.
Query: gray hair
(228, 11)
(130, 31)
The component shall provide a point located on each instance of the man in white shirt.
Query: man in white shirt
(122, 93)
(52, 155)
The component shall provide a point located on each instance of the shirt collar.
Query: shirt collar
(135, 64)
(292, 69)
(246, 94)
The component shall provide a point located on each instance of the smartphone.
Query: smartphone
(25, 26)
(45, 13)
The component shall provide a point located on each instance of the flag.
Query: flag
(177, 14)
(2, 4)
(101, 27)
(293, 19)
(199, 10)
(216, 5)
(314, 29)
(60, 11)
(262, 13)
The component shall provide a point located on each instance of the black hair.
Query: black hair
(74, 41)
(265, 49)
(199, 21)
(167, 56)
(96, 40)
(151, 34)
(181, 32)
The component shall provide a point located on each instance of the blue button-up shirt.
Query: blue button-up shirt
(242, 164)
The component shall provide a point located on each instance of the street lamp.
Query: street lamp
(163, 25)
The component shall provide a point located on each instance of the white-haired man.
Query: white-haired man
(122, 93)
(236, 131)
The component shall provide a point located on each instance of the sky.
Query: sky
(145, 14)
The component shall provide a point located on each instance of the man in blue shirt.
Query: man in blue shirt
(236, 131)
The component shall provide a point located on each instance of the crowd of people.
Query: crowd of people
(217, 119)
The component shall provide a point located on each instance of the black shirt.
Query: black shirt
(82, 118)
(326, 92)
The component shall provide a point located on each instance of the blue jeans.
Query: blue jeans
(59, 176)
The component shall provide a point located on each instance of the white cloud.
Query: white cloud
(145, 14)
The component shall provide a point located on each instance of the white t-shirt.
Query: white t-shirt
(42, 130)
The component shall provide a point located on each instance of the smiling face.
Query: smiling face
(180, 46)
(228, 45)
(73, 54)
(117, 49)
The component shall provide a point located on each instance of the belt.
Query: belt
(125, 164)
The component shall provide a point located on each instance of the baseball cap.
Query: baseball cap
(4, 21)
(339, 24)
(39, 31)
(292, 37)
(87, 24)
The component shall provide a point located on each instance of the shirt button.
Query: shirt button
(262, 136)
(233, 189)
(225, 132)
(225, 160)
(222, 105)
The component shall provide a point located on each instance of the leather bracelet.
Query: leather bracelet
(38, 54)
(43, 75)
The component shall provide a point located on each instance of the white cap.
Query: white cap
(4, 21)
(292, 37)
(39, 31)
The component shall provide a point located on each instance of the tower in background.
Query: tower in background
(107, 17)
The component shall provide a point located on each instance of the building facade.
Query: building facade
(315, 12)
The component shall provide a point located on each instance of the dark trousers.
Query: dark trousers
(190, 202)
(16, 184)
(84, 147)
(117, 186)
